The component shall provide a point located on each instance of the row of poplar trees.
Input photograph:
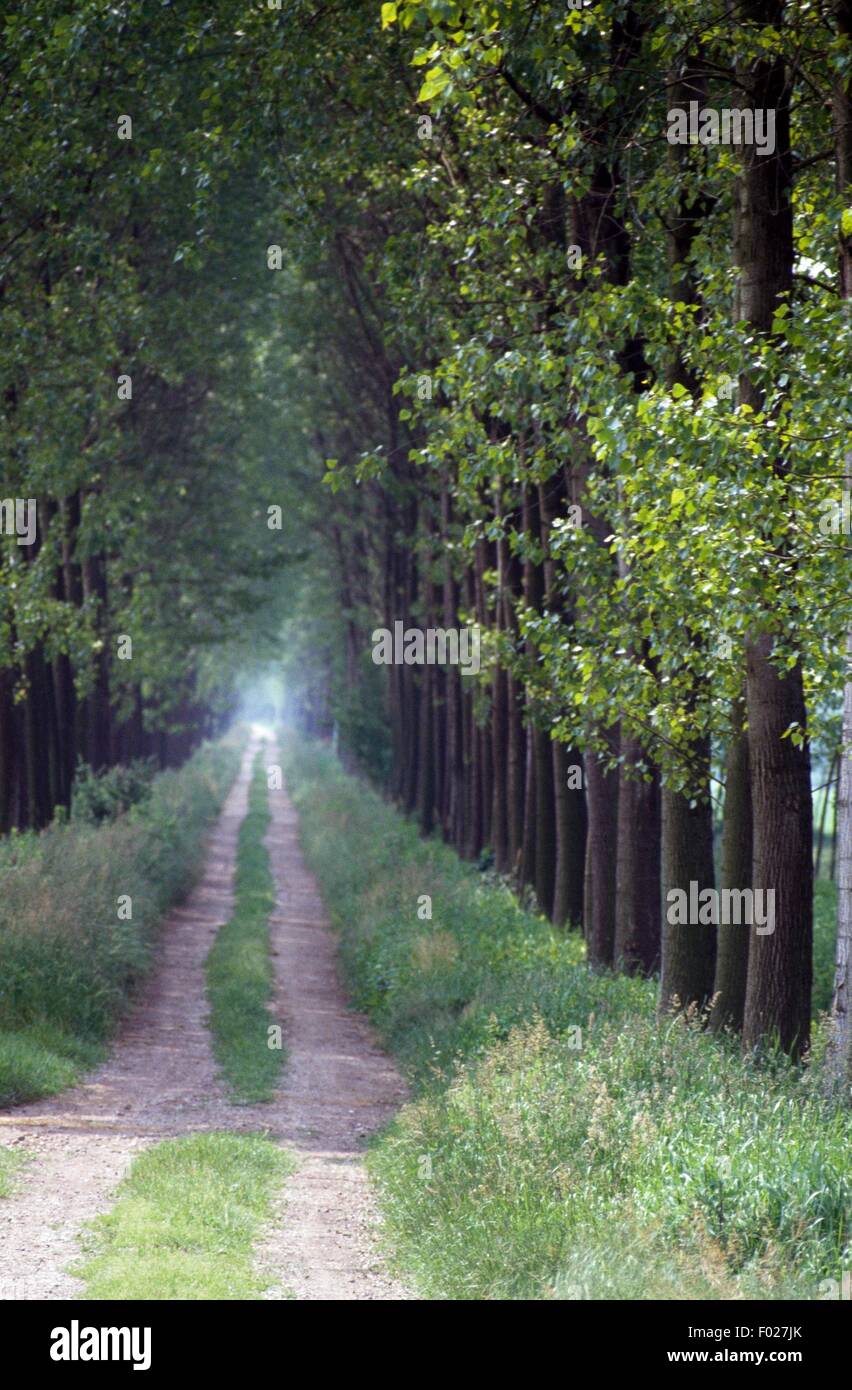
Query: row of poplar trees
(589, 389)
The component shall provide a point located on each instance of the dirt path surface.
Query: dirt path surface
(160, 1080)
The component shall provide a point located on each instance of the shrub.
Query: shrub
(99, 796)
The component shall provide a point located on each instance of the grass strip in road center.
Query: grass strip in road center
(239, 970)
(186, 1220)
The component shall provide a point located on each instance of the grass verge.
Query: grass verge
(239, 969)
(69, 964)
(10, 1162)
(185, 1221)
(560, 1144)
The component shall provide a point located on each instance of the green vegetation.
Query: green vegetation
(637, 1164)
(10, 1162)
(239, 970)
(69, 962)
(103, 795)
(185, 1221)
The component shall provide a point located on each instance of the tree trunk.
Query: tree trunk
(735, 873)
(483, 560)
(8, 751)
(637, 916)
(778, 992)
(515, 730)
(473, 750)
(571, 829)
(565, 895)
(602, 802)
(839, 1059)
(526, 872)
(688, 950)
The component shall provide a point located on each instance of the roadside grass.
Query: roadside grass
(623, 1160)
(68, 964)
(10, 1162)
(185, 1221)
(239, 968)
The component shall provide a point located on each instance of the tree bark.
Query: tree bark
(735, 872)
(637, 917)
(839, 1060)
(778, 992)
(602, 802)
(688, 951)
(780, 970)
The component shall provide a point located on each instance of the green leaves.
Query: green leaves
(435, 82)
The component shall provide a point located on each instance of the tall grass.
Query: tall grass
(561, 1144)
(68, 962)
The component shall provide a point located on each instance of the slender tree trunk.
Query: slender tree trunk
(439, 733)
(839, 1059)
(426, 769)
(688, 950)
(834, 793)
(454, 746)
(840, 1044)
(8, 751)
(833, 771)
(571, 829)
(473, 750)
(515, 729)
(736, 867)
(500, 764)
(565, 896)
(483, 560)
(778, 992)
(410, 695)
(98, 721)
(637, 917)
(601, 789)
(545, 840)
(527, 864)
(602, 800)
(36, 745)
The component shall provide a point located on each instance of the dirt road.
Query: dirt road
(161, 1081)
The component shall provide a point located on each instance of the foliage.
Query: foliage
(99, 796)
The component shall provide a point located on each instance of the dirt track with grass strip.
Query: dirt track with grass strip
(161, 1081)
